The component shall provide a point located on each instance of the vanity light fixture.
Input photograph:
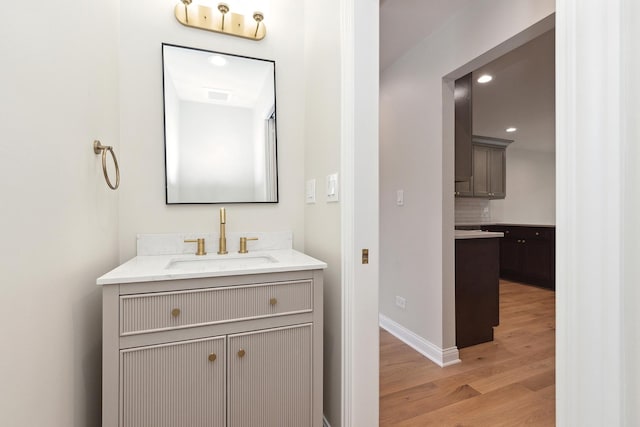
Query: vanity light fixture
(512, 129)
(224, 21)
(485, 78)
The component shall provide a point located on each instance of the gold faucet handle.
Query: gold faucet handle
(200, 242)
(243, 244)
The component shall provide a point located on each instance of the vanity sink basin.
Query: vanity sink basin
(221, 263)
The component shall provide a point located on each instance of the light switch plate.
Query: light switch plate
(400, 197)
(332, 188)
(310, 191)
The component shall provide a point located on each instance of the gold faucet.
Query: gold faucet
(200, 242)
(243, 244)
(222, 246)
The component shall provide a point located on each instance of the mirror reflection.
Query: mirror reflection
(220, 127)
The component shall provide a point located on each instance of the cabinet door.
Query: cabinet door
(174, 385)
(481, 171)
(537, 261)
(464, 188)
(497, 181)
(270, 374)
(510, 257)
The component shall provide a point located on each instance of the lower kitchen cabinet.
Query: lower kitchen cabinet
(477, 290)
(243, 351)
(527, 254)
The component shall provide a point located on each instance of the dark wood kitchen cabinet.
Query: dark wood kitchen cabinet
(463, 128)
(477, 290)
(527, 254)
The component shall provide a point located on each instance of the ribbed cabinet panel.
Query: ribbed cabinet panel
(271, 385)
(152, 312)
(175, 385)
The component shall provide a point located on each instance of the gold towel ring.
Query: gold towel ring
(97, 148)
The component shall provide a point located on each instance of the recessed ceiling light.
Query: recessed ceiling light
(217, 60)
(511, 129)
(485, 78)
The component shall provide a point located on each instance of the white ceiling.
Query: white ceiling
(522, 93)
(403, 23)
(194, 77)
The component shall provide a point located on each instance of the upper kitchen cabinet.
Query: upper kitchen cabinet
(463, 129)
(488, 169)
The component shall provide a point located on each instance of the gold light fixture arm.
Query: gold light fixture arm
(258, 17)
(224, 9)
(223, 22)
(99, 148)
(186, 10)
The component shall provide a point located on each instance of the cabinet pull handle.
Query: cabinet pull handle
(241, 353)
(273, 301)
(175, 312)
(212, 357)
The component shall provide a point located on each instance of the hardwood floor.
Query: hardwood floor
(507, 382)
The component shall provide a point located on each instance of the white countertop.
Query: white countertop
(477, 234)
(148, 268)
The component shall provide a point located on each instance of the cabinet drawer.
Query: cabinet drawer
(144, 313)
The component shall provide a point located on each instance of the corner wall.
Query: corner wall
(59, 221)
(417, 239)
(145, 24)
(322, 224)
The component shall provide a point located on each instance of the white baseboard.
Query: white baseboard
(440, 356)
(325, 423)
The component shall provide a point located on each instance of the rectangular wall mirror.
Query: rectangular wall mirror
(219, 127)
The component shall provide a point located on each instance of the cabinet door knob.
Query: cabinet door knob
(524, 241)
(273, 301)
(241, 353)
(519, 241)
(175, 312)
(506, 231)
(212, 357)
(537, 234)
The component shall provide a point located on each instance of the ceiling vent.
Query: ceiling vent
(218, 95)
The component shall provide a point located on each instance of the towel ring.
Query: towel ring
(97, 148)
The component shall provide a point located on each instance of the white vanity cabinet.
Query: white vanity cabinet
(236, 351)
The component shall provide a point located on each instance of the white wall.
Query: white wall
(59, 220)
(145, 24)
(531, 189)
(417, 239)
(322, 157)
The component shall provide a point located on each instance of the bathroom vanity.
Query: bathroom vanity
(212, 340)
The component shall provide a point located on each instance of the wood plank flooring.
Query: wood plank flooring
(507, 382)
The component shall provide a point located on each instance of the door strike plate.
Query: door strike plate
(365, 256)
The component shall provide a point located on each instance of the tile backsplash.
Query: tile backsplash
(472, 211)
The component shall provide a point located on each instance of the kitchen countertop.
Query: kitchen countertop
(477, 234)
(149, 268)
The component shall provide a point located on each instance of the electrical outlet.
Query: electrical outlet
(401, 302)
